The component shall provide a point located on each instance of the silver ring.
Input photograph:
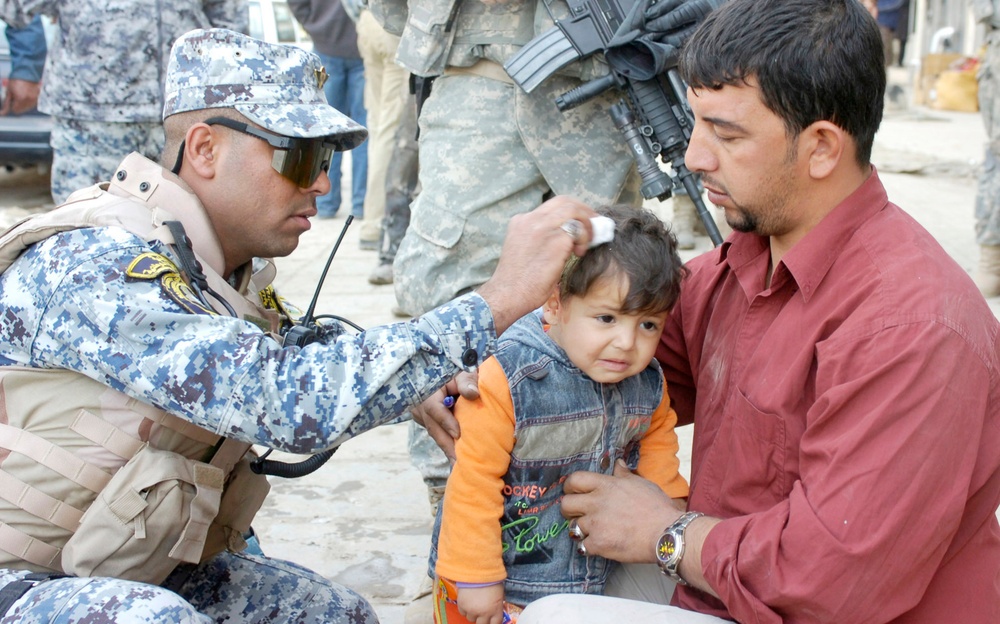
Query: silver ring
(581, 549)
(574, 228)
(575, 532)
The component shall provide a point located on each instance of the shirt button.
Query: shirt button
(470, 358)
(605, 462)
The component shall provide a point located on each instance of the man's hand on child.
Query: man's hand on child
(435, 414)
(595, 501)
(482, 605)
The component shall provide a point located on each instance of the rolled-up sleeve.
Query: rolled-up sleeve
(27, 51)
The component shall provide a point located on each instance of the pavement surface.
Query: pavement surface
(363, 519)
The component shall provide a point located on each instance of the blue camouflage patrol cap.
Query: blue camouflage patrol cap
(279, 87)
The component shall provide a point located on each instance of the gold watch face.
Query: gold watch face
(666, 548)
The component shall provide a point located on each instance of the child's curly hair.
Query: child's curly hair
(644, 250)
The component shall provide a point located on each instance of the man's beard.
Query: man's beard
(743, 221)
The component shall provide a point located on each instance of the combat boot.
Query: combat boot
(987, 276)
(685, 223)
(435, 494)
(382, 274)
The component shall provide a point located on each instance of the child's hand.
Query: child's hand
(482, 605)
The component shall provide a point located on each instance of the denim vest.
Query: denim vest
(564, 422)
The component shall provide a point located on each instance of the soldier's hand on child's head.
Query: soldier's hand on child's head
(534, 253)
(482, 605)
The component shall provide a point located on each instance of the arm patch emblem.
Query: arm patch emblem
(151, 266)
(271, 300)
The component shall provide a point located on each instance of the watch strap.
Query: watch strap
(670, 564)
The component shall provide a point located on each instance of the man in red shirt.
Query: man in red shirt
(842, 371)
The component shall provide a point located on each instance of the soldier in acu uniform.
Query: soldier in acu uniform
(987, 274)
(141, 355)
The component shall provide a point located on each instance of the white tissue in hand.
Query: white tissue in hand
(603, 230)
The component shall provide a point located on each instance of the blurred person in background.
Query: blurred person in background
(27, 62)
(335, 41)
(385, 96)
(893, 18)
(104, 76)
(987, 274)
(401, 187)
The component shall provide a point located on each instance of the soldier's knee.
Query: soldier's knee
(138, 602)
(361, 611)
(108, 601)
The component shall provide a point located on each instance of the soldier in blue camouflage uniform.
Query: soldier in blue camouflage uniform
(987, 274)
(85, 297)
(104, 76)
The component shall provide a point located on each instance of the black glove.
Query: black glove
(642, 59)
(673, 21)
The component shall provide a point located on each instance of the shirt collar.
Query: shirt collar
(811, 258)
(170, 198)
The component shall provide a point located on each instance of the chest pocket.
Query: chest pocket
(746, 461)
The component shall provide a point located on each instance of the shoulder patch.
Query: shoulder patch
(271, 300)
(151, 266)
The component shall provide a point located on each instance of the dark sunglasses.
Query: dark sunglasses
(299, 160)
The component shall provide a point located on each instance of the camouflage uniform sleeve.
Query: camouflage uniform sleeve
(231, 14)
(68, 303)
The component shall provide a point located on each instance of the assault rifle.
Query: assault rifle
(654, 116)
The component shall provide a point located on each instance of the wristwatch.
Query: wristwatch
(670, 547)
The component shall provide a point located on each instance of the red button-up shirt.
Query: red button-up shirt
(847, 425)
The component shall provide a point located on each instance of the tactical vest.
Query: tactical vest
(166, 490)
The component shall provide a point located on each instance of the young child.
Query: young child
(572, 387)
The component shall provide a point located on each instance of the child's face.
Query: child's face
(605, 343)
